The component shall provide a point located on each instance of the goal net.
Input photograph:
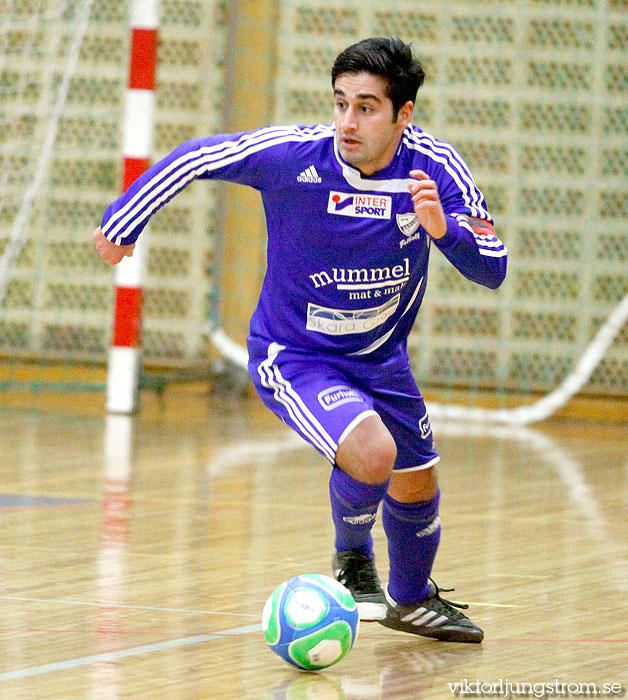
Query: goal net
(534, 100)
(63, 78)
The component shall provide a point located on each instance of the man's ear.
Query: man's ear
(404, 116)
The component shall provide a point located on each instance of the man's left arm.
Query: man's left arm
(468, 242)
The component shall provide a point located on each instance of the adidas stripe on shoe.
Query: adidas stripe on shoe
(433, 617)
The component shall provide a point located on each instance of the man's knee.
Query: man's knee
(369, 452)
(378, 461)
(414, 487)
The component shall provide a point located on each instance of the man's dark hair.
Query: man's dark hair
(391, 59)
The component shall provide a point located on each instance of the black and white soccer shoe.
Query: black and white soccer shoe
(433, 617)
(359, 575)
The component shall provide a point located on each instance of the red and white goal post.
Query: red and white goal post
(139, 118)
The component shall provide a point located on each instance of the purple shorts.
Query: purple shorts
(324, 397)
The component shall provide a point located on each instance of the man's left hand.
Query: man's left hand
(427, 205)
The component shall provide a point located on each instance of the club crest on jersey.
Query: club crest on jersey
(409, 226)
(408, 223)
(368, 206)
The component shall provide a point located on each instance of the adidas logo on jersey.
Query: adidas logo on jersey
(309, 175)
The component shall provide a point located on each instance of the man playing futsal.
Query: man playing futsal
(353, 210)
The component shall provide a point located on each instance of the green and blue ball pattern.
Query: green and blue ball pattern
(311, 621)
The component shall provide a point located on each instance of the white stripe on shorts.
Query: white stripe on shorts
(418, 468)
(358, 419)
(303, 418)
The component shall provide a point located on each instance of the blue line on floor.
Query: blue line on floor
(115, 655)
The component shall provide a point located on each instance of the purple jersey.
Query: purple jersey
(347, 258)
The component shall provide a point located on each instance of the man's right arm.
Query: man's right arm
(250, 158)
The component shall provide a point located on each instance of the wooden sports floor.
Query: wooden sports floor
(137, 554)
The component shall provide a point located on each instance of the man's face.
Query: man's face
(366, 135)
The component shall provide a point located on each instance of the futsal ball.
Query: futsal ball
(311, 621)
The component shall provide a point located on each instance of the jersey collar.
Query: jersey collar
(360, 182)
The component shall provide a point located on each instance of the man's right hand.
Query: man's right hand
(109, 251)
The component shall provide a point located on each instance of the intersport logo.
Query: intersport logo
(367, 206)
